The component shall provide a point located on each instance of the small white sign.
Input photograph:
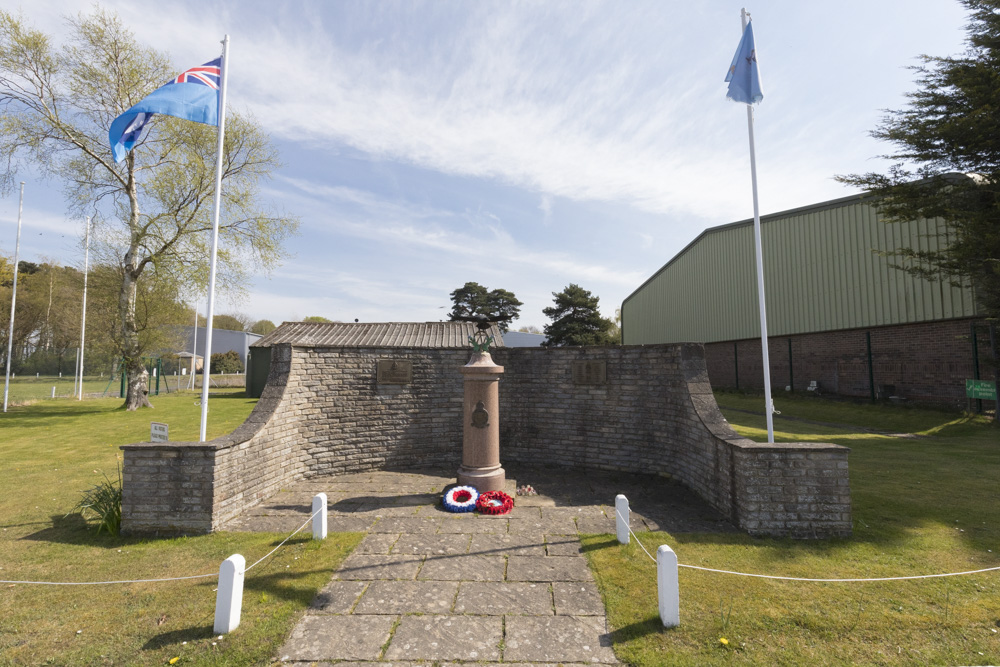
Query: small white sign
(158, 432)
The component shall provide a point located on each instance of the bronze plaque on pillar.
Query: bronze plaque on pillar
(394, 371)
(590, 372)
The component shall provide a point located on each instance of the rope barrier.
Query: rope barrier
(297, 530)
(148, 581)
(769, 576)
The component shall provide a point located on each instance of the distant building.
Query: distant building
(839, 316)
(223, 341)
(523, 339)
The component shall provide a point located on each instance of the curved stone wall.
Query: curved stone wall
(639, 409)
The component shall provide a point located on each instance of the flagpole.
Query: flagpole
(13, 298)
(206, 364)
(83, 319)
(758, 248)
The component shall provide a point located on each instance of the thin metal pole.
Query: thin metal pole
(194, 346)
(975, 364)
(996, 371)
(871, 370)
(206, 364)
(83, 319)
(13, 298)
(768, 403)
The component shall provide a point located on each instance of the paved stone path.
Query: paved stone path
(428, 587)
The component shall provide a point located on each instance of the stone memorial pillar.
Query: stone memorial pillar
(481, 429)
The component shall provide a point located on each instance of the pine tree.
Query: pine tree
(576, 319)
(948, 161)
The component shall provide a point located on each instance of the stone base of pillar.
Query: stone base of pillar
(483, 479)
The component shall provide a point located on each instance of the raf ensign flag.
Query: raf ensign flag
(743, 77)
(193, 95)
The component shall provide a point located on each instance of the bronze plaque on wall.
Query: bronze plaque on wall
(394, 371)
(590, 372)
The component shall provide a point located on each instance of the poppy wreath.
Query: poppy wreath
(461, 499)
(494, 502)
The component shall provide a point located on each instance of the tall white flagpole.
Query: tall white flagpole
(768, 404)
(83, 318)
(206, 364)
(194, 346)
(13, 298)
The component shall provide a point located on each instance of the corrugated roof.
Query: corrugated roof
(376, 334)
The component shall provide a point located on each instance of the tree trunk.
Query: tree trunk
(137, 387)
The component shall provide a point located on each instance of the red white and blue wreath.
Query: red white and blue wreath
(461, 499)
(494, 502)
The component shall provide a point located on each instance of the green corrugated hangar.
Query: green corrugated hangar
(841, 320)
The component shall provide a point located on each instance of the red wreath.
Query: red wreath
(494, 502)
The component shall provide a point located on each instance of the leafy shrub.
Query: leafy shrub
(226, 362)
(103, 503)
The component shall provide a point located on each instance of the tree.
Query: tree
(263, 327)
(153, 212)
(226, 362)
(318, 319)
(950, 125)
(228, 322)
(473, 299)
(576, 319)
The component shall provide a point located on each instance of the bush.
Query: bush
(103, 502)
(226, 362)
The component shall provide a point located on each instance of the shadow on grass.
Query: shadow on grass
(74, 529)
(632, 631)
(176, 637)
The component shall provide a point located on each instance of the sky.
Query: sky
(520, 145)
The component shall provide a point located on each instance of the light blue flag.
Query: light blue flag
(193, 95)
(743, 77)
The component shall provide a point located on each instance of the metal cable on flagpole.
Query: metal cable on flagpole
(758, 252)
(206, 363)
(13, 298)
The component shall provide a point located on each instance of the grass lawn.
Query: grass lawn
(28, 389)
(920, 505)
(52, 451)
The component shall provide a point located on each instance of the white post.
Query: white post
(76, 370)
(194, 346)
(667, 589)
(53, 392)
(765, 357)
(622, 518)
(83, 318)
(13, 298)
(229, 599)
(206, 364)
(319, 511)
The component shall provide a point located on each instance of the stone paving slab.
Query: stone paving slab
(338, 597)
(435, 544)
(500, 598)
(368, 567)
(563, 545)
(472, 638)
(557, 639)
(506, 545)
(595, 525)
(413, 524)
(474, 525)
(377, 543)
(408, 597)
(548, 568)
(577, 598)
(327, 637)
(468, 567)
(564, 525)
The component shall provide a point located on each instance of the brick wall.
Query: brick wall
(323, 412)
(927, 362)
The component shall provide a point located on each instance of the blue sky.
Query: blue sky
(522, 145)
